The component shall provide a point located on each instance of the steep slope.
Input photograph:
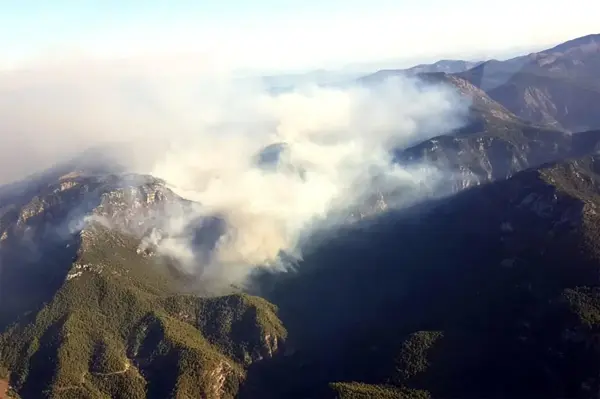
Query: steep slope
(39, 222)
(499, 152)
(485, 117)
(484, 111)
(494, 143)
(494, 292)
(97, 316)
(558, 87)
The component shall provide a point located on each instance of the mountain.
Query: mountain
(285, 82)
(558, 87)
(494, 143)
(445, 66)
(492, 290)
(87, 312)
(491, 149)
(440, 300)
(442, 66)
(340, 77)
(491, 293)
(484, 112)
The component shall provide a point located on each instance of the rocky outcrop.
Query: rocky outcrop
(217, 377)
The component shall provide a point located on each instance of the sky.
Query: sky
(285, 35)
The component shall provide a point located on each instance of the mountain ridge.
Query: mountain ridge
(557, 87)
(96, 325)
(464, 302)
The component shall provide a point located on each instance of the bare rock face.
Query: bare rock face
(218, 376)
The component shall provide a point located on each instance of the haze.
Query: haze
(162, 81)
(270, 36)
(203, 134)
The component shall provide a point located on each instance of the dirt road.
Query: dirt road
(3, 389)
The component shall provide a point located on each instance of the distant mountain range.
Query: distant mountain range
(490, 292)
(558, 87)
(332, 78)
(446, 66)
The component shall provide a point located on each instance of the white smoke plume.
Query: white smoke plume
(269, 166)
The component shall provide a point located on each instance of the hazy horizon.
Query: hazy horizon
(267, 37)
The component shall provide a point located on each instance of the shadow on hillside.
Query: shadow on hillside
(36, 255)
(28, 280)
(438, 266)
(39, 377)
(347, 294)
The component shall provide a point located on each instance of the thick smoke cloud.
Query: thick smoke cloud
(268, 167)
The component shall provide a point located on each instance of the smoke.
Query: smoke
(264, 169)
